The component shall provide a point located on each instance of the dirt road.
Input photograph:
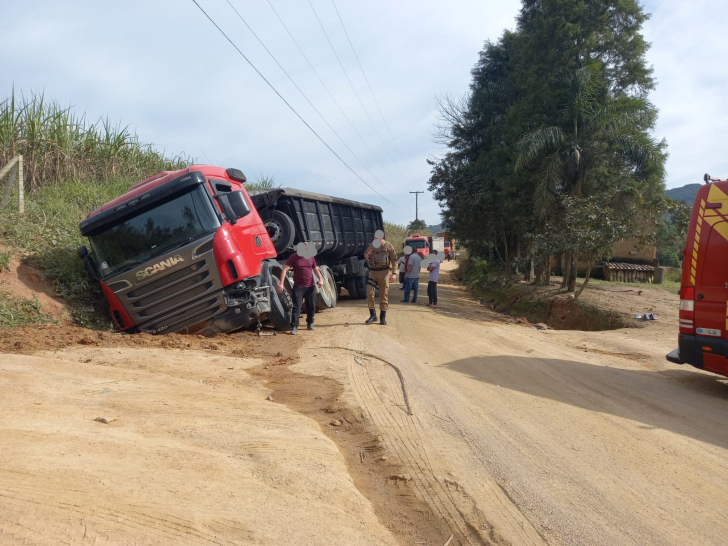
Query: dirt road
(524, 436)
(454, 421)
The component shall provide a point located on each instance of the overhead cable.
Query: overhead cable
(371, 91)
(288, 104)
(354, 89)
(383, 165)
(304, 95)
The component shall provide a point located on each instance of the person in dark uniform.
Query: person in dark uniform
(382, 264)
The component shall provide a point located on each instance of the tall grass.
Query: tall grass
(396, 235)
(58, 144)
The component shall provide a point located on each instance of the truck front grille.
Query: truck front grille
(180, 300)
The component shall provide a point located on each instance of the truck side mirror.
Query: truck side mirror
(82, 251)
(234, 205)
(91, 270)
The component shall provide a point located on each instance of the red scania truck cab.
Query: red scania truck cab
(419, 244)
(183, 251)
(703, 326)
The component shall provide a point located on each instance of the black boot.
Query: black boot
(372, 317)
(382, 317)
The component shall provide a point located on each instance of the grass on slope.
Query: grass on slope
(47, 236)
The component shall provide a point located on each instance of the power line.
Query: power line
(354, 89)
(304, 96)
(331, 94)
(370, 90)
(288, 104)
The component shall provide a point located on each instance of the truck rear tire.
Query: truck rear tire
(280, 228)
(281, 306)
(361, 285)
(333, 290)
(323, 293)
(350, 285)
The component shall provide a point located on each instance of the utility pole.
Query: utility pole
(417, 217)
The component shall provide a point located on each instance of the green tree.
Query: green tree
(589, 51)
(672, 231)
(418, 226)
(599, 143)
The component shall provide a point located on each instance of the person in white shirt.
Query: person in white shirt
(402, 264)
(434, 269)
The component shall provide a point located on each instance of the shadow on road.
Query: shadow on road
(689, 403)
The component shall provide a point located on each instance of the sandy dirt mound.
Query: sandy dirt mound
(26, 282)
(126, 439)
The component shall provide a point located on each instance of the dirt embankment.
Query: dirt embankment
(602, 306)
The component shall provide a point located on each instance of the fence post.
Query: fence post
(13, 170)
(21, 186)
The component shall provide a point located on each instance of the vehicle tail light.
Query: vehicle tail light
(687, 310)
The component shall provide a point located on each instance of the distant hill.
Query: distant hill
(436, 228)
(685, 193)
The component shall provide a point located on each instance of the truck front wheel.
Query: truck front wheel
(281, 306)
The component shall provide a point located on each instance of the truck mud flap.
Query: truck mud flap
(674, 357)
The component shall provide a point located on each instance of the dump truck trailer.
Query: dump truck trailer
(339, 229)
(187, 251)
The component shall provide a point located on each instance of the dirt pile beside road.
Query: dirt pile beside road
(170, 439)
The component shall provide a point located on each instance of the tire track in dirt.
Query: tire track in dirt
(396, 441)
(397, 501)
(405, 436)
(20, 503)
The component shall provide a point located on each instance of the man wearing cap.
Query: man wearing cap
(382, 263)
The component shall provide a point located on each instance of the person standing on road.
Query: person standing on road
(402, 263)
(382, 262)
(303, 287)
(412, 277)
(434, 269)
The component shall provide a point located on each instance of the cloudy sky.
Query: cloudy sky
(161, 67)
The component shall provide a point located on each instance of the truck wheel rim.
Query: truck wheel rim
(274, 230)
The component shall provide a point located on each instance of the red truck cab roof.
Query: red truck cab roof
(157, 180)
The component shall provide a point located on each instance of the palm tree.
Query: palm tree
(594, 131)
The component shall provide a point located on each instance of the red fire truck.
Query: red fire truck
(703, 326)
(419, 244)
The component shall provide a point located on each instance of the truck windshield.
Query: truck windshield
(166, 225)
(417, 243)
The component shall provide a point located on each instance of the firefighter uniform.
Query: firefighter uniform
(382, 263)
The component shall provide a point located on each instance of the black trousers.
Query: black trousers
(301, 293)
(432, 291)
